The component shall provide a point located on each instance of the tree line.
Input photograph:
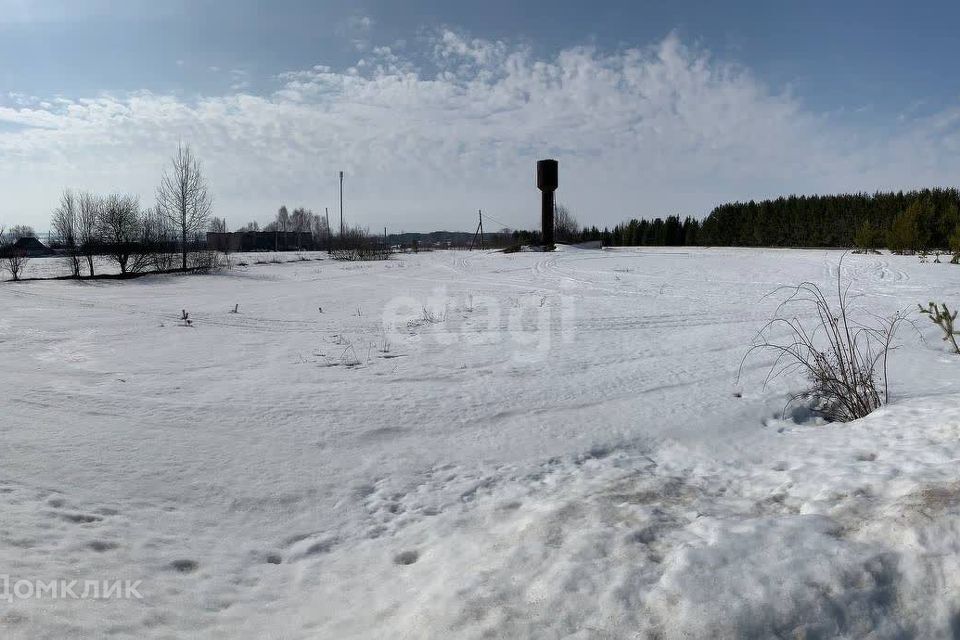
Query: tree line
(671, 231)
(86, 225)
(301, 221)
(350, 243)
(903, 222)
(923, 220)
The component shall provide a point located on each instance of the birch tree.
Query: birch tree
(64, 225)
(183, 198)
(88, 227)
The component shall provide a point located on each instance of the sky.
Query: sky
(435, 109)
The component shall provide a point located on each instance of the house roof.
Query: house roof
(31, 245)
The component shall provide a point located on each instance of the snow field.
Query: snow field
(557, 447)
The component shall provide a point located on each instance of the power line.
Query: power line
(501, 222)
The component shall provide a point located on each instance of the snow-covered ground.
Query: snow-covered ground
(470, 445)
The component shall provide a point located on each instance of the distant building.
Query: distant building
(31, 247)
(237, 241)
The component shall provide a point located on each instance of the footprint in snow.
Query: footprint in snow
(80, 518)
(405, 558)
(320, 548)
(184, 566)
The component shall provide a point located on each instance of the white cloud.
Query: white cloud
(357, 30)
(638, 132)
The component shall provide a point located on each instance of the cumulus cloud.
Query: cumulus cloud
(644, 131)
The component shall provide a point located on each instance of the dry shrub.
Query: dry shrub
(844, 360)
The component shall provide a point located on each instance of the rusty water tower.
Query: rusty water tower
(547, 175)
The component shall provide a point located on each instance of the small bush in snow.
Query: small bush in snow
(844, 360)
(942, 317)
(16, 262)
(357, 245)
(207, 260)
(432, 317)
(383, 343)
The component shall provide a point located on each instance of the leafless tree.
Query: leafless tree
(158, 238)
(88, 227)
(120, 228)
(283, 219)
(300, 220)
(14, 260)
(183, 198)
(218, 225)
(356, 244)
(64, 226)
(565, 226)
(319, 230)
(19, 231)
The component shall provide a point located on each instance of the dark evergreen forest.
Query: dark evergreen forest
(910, 221)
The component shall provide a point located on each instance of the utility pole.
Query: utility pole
(326, 211)
(479, 232)
(341, 203)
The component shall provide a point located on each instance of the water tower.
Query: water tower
(547, 174)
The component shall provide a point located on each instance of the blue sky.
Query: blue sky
(438, 108)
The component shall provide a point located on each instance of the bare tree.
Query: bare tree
(158, 239)
(19, 231)
(64, 226)
(319, 230)
(88, 227)
(13, 259)
(300, 220)
(120, 228)
(183, 198)
(283, 219)
(565, 226)
(356, 244)
(218, 225)
(16, 261)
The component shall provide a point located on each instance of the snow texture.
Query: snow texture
(471, 445)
